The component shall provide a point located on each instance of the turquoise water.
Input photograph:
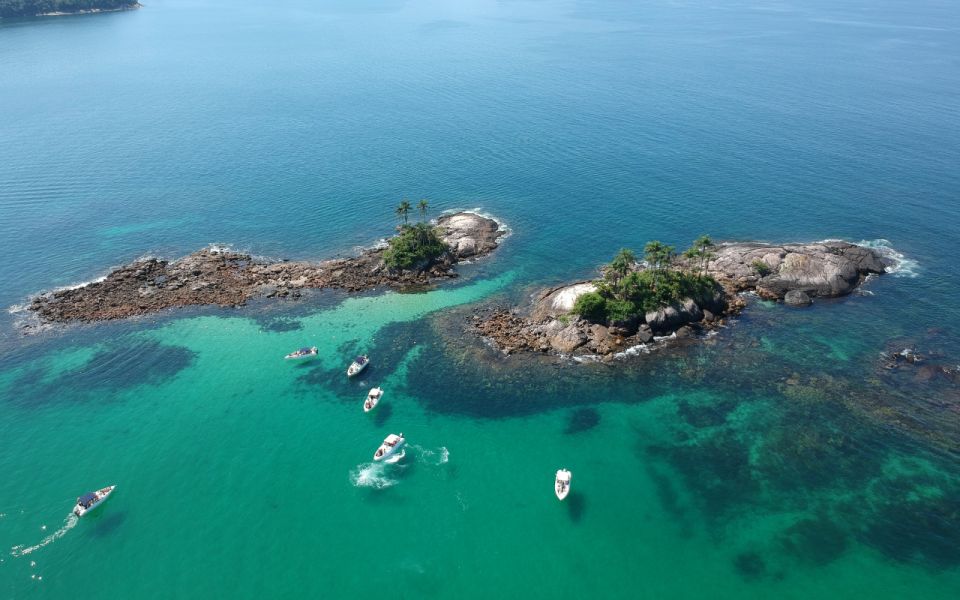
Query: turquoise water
(773, 460)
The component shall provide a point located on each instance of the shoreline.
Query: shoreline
(89, 11)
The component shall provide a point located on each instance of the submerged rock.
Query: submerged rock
(797, 298)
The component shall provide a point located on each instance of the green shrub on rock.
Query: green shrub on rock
(592, 307)
(416, 246)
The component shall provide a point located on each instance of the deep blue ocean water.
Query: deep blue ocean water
(773, 460)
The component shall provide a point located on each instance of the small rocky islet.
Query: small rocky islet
(213, 276)
(791, 273)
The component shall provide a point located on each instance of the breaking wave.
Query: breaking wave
(899, 265)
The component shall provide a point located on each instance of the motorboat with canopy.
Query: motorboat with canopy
(88, 502)
(359, 363)
(303, 353)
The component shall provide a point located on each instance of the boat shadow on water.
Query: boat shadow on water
(106, 524)
(576, 504)
(382, 414)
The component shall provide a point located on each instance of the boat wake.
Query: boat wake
(437, 457)
(372, 475)
(69, 523)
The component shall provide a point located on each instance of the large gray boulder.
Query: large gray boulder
(797, 298)
(568, 339)
(822, 269)
(672, 317)
(469, 234)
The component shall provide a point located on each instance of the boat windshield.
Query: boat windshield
(304, 350)
(360, 360)
(87, 499)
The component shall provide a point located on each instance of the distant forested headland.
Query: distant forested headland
(30, 8)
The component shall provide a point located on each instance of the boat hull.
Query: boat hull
(81, 511)
(356, 369)
(561, 485)
(372, 401)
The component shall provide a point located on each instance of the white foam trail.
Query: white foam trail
(439, 456)
(69, 523)
(372, 475)
(900, 265)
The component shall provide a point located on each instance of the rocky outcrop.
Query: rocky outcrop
(791, 272)
(225, 278)
(469, 234)
(825, 269)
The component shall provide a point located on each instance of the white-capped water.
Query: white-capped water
(68, 523)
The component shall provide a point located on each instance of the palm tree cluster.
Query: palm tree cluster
(417, 244)
(403, 210)
(627, 291)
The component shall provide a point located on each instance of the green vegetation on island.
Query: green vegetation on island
(417, 245)
(30, 8)
(627, 291)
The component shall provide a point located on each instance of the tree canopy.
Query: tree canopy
(627, 291)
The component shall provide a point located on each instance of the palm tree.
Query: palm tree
(403, 210)
(653, 252)
(422, 207)
(659, 256)
(621, 264)
(703, 245)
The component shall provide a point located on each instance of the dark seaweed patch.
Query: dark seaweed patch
(716, 470)
(126, 365)
(117, 367)
(280, 325)
(582, 419)
(707, 414)
(916, 527)
(750, 566)
(670, 501)
(817, 541)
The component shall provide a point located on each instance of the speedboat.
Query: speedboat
(359, 363)
(562, 484)
(88, 502)
(391, 450)
(373, 397)
(302, 353)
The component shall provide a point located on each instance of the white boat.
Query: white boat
(359, 363)
(302, 353)
(373, 397)
(391, 450)
(88, 502)
(562, 483)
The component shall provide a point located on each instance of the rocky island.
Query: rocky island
(634, 303)
(418, 255)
